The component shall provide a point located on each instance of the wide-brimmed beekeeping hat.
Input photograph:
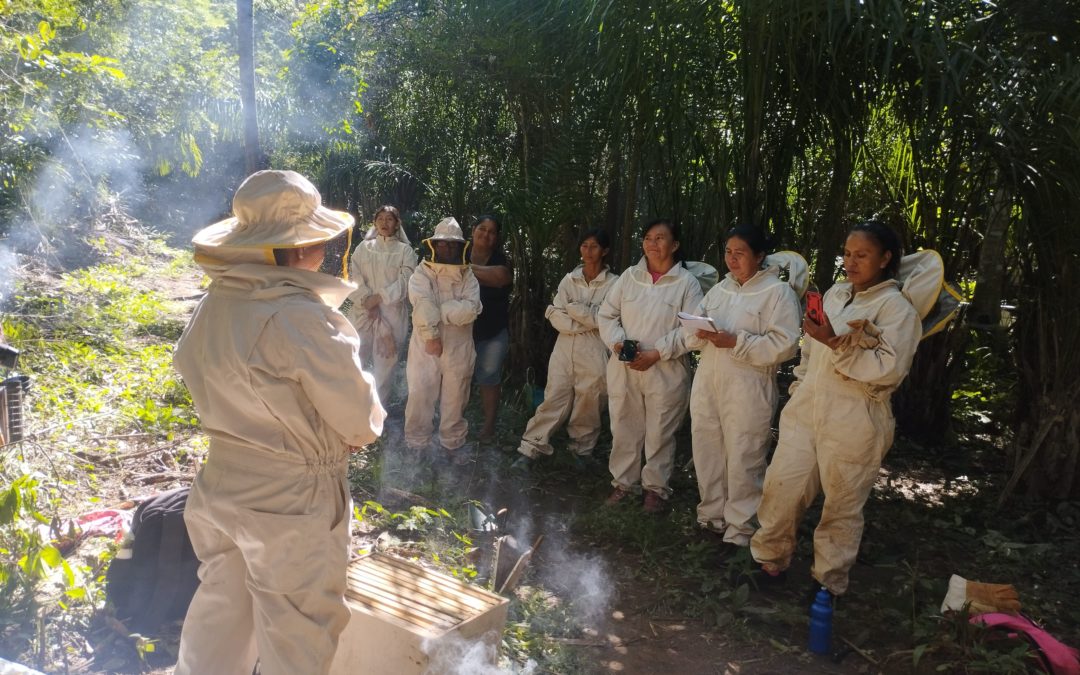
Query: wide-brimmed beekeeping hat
(271, 209)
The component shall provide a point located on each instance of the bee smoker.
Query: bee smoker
(12, 389)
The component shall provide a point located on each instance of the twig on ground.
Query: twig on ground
(114, 437)
(594, 642)
(148, 478)
(406, 496)
(859, 651)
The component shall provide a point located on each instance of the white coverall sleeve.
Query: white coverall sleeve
(396, 290)
(887, 363)
(459, 312)
(609, 318)
(672, 345)
(427, 317)
(471, 293)
(320, 350)
(357, 277)
(781, 337)
(800, 369)
(557, 312)
(584, 314)
(689, 335)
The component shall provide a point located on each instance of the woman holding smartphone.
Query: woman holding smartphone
(734, 395)
(647, 377)
(838, 425)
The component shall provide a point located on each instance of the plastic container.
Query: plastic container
(821, 613)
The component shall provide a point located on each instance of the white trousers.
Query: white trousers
(395, 316)
(831, 441)
(272, 539)
(646, 410)
(444, 380)
(576, 392)
(731, 409)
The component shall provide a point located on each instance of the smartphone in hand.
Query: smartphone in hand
(814, 308)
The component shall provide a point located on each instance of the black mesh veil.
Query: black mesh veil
(336, 262)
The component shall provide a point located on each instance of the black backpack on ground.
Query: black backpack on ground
(153, 577)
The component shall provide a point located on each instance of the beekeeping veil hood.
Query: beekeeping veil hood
(447, 231)
(272, 210)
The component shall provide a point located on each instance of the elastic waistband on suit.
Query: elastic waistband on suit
(726, 361)
(848, 388)
(272, 463)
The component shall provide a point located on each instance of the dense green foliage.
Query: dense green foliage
(956, 121)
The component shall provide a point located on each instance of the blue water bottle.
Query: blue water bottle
(821, 622)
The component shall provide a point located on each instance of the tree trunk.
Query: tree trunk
(985, 310)
(245, 32)
(833, 224)
(630, 197)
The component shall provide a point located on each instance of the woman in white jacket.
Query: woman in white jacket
(380, 267)
(734, 397)
(649, 382)
(576, 387)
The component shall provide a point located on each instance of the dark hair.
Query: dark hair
(757, 239)
(392, 210)
(887, 239)
(680, 256)
(600, 235)
(498, 225)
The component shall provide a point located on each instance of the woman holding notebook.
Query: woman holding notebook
(734, 395)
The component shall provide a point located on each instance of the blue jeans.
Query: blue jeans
(490, 355)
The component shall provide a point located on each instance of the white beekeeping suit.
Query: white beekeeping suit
(836, 429)
(646, 407)
(446, 301)
(734, 397)
(275, 374)
(382, 266)
(576, 389)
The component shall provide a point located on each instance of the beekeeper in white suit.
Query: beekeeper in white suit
(733, 398)
(445, 296)
(380, 267)
(647, 394)
(275, 374)
(838, 425)
(577, 383)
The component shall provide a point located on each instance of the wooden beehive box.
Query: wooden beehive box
(403, 616)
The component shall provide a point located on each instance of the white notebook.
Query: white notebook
(697, 322)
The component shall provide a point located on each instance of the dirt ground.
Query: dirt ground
(626, 626)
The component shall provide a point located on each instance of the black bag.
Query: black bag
(153, 577)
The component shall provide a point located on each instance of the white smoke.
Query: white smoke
(454, 655)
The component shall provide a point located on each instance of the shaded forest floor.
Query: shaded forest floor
(608, 590)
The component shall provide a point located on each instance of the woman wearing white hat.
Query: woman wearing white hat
(275, 374)
(445, 296)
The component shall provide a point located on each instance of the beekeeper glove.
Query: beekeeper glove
(863, 335)
(458, 312)
(982, 597)
(385, 344)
